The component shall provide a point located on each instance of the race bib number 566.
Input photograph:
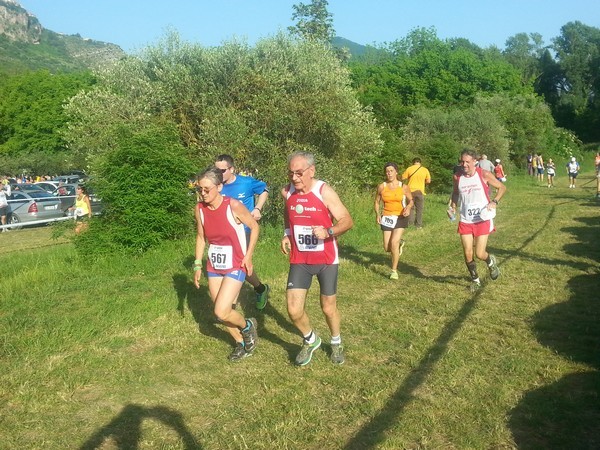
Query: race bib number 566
(306, 241)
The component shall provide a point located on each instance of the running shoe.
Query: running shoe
(262, 299)
(239, 353)
(475, 286)
(494, 269)
(402, 242)
(337, 354)
(394, 275)
(250, 336)
(306, 352)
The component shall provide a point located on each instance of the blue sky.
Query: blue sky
(134, 24)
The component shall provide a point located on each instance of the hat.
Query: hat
(497, 160)
(573, 159)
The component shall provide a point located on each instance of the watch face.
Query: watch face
(330, 231)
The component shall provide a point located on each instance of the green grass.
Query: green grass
(125, 353)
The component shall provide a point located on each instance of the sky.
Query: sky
(136, 24)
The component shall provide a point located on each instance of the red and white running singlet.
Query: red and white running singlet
(304, 212)
(474, 196)
(226, 238)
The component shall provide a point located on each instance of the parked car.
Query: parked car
(67, 193)
(25, 187)
(32, 206)
(48, 186)
(68, 179)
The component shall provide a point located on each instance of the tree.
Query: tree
(524, 52)
(314, 21)
(578, 53)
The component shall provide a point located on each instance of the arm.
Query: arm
(454, 197)
(343, 220)
(285, 240)
(200, 244)
(501, 189)
(377, 202)
(409, 203)
(86, 199)
(242, 214)
(260, 203)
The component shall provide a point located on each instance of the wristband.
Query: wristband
(197, 268)
(495, 201)
(197, 261)
(287, 232)
(256, 207)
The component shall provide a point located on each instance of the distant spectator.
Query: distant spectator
(540, 167)
(572, 171)
(499, 171)
(82, 209)
(416, 177)
(530, 165)
(4, 209)
(551, 171)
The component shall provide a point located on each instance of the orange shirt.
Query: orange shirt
(393, 200)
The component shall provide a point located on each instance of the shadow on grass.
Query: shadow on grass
(566, 414)
(282, 321)
(200, 305)
(372, 434)
(369, 259)
(125, 428)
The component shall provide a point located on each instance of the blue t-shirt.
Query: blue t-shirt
(244, 189)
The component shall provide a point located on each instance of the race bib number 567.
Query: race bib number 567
(221, 256)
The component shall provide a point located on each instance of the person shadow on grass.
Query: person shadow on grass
(126, 428)
(566, 413)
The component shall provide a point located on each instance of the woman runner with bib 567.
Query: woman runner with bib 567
(397, 202)
(220, 222)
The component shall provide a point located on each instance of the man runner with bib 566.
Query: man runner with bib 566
(477, 213)
(311, 207)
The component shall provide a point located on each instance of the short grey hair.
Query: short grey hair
(308, 157)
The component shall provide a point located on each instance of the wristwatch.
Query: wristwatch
(330, 231)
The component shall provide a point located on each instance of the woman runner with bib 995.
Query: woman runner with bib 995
(220, 222)
(397, 203)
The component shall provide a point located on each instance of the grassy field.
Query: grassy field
(125, 353)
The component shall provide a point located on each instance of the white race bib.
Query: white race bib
(389, 221)
(473, 213)
(306, 241)
(221, 256)
(78, 212)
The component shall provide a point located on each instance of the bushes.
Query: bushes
(142, 183)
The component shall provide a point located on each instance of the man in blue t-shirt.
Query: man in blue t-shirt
(244, 189)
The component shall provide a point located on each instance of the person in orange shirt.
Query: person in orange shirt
(416, 177)
(397, 204)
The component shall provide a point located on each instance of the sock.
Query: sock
(488, 261)
(310, 338)
(260, 288)
(248, 325)
(336, 340)
(472, 266)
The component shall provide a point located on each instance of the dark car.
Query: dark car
(33, 206)
(68, 179)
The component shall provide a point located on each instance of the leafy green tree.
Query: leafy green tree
(524, 51)
(314, 21)
(32, 117)
(257, 103)
(578, 53)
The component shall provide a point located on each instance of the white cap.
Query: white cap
(497, 160)
(573, 159)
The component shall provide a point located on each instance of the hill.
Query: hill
(354, 48)
(26, 45)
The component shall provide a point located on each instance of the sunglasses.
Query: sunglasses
(297, 173)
